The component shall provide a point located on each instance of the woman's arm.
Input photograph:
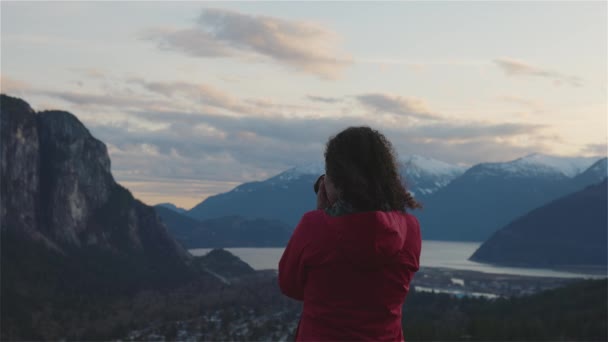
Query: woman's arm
(292, 265)
(299, 251)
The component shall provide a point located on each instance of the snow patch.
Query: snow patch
(569, 166)
(429, 166)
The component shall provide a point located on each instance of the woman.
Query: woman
(351, 261)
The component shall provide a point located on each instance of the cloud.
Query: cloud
(266, 103)
(525, 107)
(521, 101)
(324, 99)
(513, 67)
(195, 42)
(180, 96)
(406, 106)
(470, 131)
(215, 154)
(157, 135)
(196, 93)
(10, 85)
(600, 149)
(94, 73)
(88, 99)
(286, 141)
(300, 45)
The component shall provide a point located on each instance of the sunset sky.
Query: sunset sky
(194, 98)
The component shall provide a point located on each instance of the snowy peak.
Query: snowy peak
(314, 169)
(413, 166)
(424, 176)
(415, 163)
(569, 166)
(539, 165)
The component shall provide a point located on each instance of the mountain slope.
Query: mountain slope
(282, 198)
(593, 174)
(424, 176)
(570, 231)
(490, 195)
(224, 232)
(172, 207)
(224, 264)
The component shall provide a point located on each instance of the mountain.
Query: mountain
(287, 196)
(172, 207)
(224, 264)
(224, 232)
(490, 195)
(594, 173)
(424, 176)
(569, 166)
(66, 225)
(568, 232)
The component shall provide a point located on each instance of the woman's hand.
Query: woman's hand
(322, 199)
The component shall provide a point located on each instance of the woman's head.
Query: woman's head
(360, 163)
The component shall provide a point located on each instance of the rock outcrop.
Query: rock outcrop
(58, 193)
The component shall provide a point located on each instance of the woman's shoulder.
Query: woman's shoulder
(411, 217)
(314, 218)
(315, 230)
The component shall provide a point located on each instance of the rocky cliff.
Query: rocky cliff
(58, 196)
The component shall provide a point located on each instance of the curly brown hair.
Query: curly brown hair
(361, 163)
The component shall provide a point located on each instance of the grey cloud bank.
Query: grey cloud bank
(249, 142)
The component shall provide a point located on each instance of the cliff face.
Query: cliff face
(57, 191)
(20, 176)
(75, 178)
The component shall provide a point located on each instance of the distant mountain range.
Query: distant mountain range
(460, 204)
(223, 264)
(227, 231)
(283, 198)
(173, 207)
(568, 232)
(287, 196)
(490, 195)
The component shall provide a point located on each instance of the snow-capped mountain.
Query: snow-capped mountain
(535, 165)
(312, 169)
(423, 176)
(569, 166)
(489, 195)
(539, 165)
(460, 204)
(289, 194)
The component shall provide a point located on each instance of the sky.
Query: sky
(195, 98)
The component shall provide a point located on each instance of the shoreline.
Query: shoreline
(490, 285)
(576, 273)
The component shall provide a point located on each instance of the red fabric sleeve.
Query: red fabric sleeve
(292, 267)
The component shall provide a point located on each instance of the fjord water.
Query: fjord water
(446, 254)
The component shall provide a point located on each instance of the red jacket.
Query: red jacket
(352, 272)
